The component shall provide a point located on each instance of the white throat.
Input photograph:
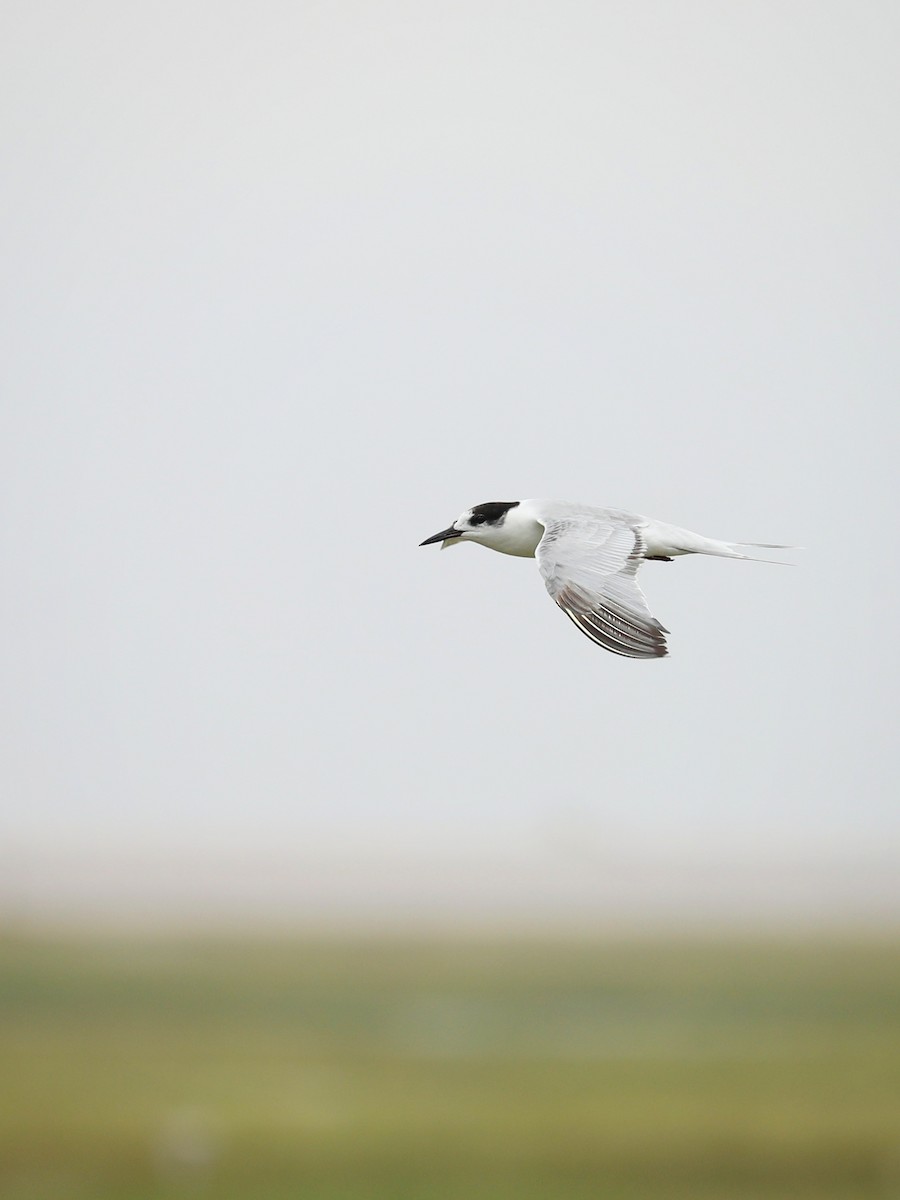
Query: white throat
(519, 534)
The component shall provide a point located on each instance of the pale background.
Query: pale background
(285, 288)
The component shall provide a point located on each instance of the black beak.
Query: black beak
(441, 537)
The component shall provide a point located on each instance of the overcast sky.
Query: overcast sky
(287, 286)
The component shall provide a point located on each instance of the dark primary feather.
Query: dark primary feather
(609, 628)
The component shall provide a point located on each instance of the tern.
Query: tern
(589, 559)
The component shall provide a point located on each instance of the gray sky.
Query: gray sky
(288, 286)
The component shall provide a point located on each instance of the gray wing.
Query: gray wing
(589, 565)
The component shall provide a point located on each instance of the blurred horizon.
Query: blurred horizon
(601, 892)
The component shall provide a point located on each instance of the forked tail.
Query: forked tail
(668, 540)
(736, 550)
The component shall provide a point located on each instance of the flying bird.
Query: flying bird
(589, 559)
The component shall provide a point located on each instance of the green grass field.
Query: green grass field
(448, 1070)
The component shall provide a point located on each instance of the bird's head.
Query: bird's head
(483, 524)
